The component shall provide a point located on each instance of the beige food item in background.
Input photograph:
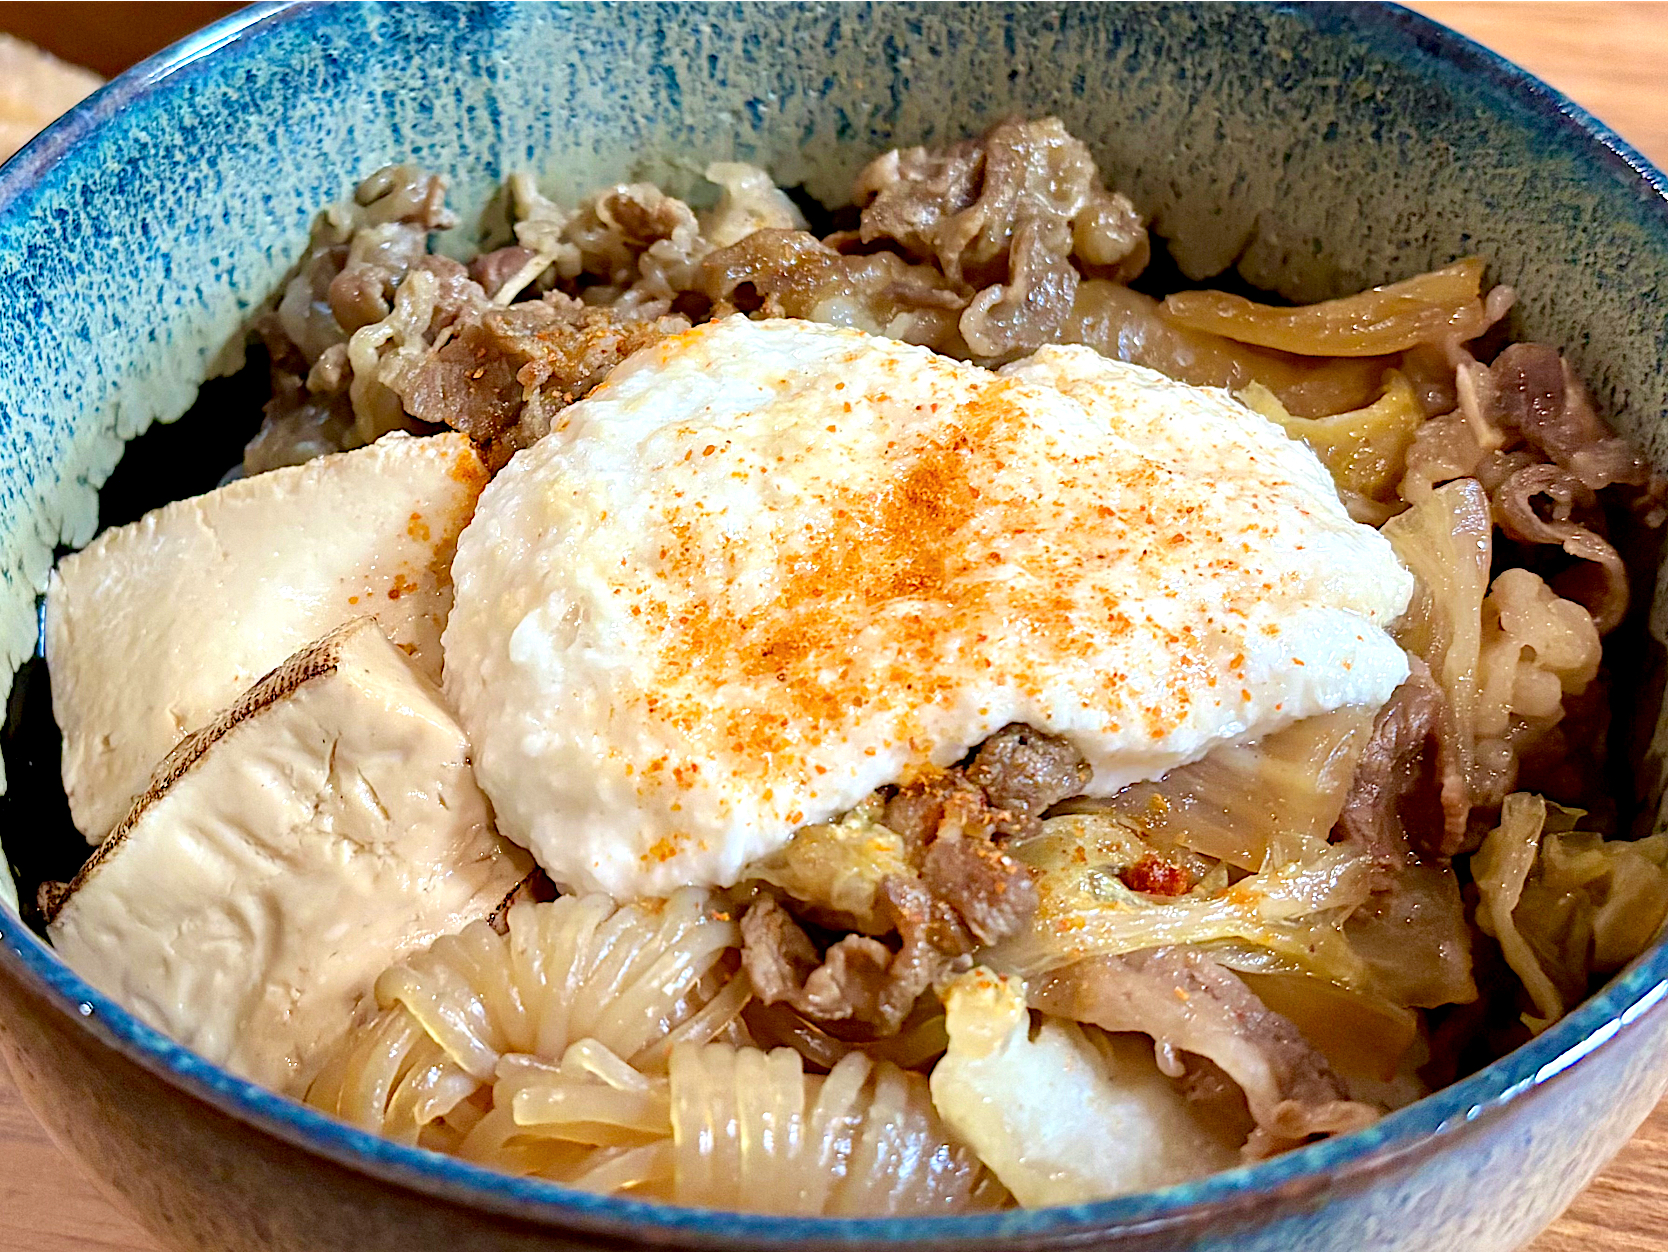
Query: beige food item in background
(35, 87)
(318, 831)
(154, 627)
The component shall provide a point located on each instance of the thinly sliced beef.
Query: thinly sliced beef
(392, 213)
(359, 253)
(1029, 309)
(1408, 786)
(789, 273)
(935, 942)
(958, 890)
(297, 425)
(457, 296)
(782, 963)
(777, 955)
(1537, 504)
(1411, 931)
(965, 206)
(853, 981)
(857, 979)
(493, 269)
(1109, 239)
(934, 799)
(933, 833)
(1003, 215)
(992, 894)
(1188, 1003)
(913, 193)
(968, 893)
(1024, 772)
(1557, 454)
(634, 235)
(503, 375)
(1538, 396)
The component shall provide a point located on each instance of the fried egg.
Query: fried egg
(769, 566)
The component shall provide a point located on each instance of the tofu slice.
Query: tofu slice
(316, 832)
(155, 627)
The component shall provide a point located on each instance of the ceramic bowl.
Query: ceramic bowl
(1317, 147)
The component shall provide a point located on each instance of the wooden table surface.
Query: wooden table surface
(1611, 58)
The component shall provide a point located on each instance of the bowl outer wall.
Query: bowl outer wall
(209, 1169)
(1256, 133)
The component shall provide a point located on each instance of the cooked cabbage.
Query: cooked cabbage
(1414, 939)
(1594, 901)
(1063, 1115)
(1375, 1046)
(1291, 906)
(1363, 1035)
(1447, 540)
(1234, 802)
(1501, 868)
(1365, 449)
(1566, 904)
(836, 868)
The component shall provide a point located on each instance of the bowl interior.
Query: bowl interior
(1313, 149)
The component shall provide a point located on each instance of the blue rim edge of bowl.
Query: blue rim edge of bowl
(1417, 1131)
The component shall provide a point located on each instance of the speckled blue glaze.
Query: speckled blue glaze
(1317, 147)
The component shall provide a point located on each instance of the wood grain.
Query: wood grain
(1611, 59)
(46, 1204)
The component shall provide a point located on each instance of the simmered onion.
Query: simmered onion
(1443, 304)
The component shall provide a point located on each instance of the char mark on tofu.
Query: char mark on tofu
(223, 909)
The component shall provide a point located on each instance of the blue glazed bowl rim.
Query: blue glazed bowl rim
(1419, 1130)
